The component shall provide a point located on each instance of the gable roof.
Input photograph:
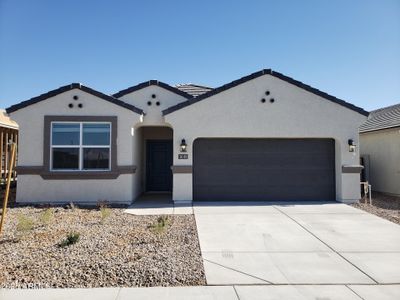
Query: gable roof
(193, 89)
(150, 83)
(383, 118)
(69, 87)
(258, 74)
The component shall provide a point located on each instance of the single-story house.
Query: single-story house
(265, 136)
(380, 149)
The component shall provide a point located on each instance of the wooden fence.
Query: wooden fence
(7, 137)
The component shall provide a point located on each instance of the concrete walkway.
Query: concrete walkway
(158, 204)
(273, 251)
(283, 243)
(242, 292)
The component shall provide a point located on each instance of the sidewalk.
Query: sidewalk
(237, 292)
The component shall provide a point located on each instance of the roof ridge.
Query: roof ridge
(149, 83)
(384, 108)
(261, 73)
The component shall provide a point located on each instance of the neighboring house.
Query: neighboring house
(8, 133)
(262, 137)
(380, 149)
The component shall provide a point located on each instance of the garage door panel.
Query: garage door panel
(265, 176)
(263, 169)
(270, 193)
(275, 159)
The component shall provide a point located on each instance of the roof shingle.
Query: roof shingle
(193, 89)
(383, 118)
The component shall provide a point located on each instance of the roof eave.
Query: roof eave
(261, 73)
(69, 87)
(379, 129)
(8, 126)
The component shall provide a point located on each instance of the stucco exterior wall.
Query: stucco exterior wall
(234, 113)
(296, 113)
(383, 148)
(32, 188)
(153, 113)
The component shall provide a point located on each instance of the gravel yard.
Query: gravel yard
(384, 206)
(120, 250)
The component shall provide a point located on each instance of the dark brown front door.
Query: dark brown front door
(158, 165)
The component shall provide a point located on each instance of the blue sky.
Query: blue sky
(350, 49)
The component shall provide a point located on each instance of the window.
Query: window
(82, 146)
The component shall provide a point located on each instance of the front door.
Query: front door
(158, 165)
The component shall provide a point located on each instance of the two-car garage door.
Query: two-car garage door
(263, 169)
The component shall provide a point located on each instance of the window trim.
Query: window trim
(80, 146)
(114, 170)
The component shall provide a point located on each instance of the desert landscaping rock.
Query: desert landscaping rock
(125, 251)
(384, 206)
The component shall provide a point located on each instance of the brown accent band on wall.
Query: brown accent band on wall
(126, 169)
(59, 175)
(182, 169)
(355, 169)
(29, 170)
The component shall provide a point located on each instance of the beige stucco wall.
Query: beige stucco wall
(153, 113)
(148, 128)
(296, 113)
(32, 188)
(237, 112)
(383, 148)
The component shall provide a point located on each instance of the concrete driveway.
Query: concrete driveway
(307, 243)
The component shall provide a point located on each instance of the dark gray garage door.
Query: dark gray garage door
(263, 169)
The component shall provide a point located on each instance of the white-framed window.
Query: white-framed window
(80, 146)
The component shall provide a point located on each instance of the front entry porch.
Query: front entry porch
(154, 156)
(158, 204)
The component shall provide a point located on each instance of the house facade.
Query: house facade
(262, 137)
(380, 149)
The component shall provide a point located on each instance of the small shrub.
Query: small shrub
(71, 206)
(46, 216)
(161, 224)
(24, 224)
(105, 212)
(72, 238)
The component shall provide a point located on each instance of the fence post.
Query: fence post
(5, 201)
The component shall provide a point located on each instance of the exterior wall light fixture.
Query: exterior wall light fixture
(352, 145)
(183, 145)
